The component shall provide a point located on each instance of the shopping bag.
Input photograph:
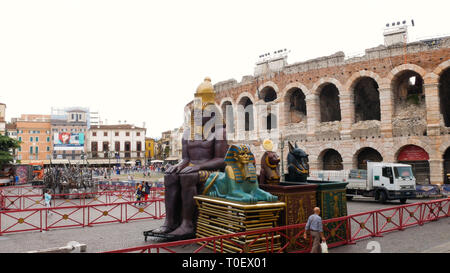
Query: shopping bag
(324, 247)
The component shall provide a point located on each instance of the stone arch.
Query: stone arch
(271, 84)
(407, 84)
(317, 86)
(365, 96)
(418, 158)
(444, 95)
(244, 94)
(353, 80)
(403, 67)
(365, 154)
(409, 111)
(329, 104)
(285, 93)
(245, 113)
(227, 109)
(295, 108)
(330, 159)
(268, 94)
(441, 67)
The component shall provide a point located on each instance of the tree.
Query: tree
(7, 147)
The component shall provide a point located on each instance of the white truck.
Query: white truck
(383, 181)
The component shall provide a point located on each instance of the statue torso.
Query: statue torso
(200, 151)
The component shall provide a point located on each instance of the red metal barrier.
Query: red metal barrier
(64, 217)
(144, 210)
(372, 223)
(12, 202)
(21, 220)
(388, 220)
(411, 215)
(104, 214)
(21, 190)
(34, 219)
(21, 201)
(364, 224)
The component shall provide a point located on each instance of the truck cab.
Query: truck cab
(390, 181)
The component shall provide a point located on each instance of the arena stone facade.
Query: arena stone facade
(322, 103)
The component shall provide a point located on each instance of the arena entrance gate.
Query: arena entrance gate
(418, 159)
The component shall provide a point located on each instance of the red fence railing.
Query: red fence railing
(39, 219)
(357, 227)
(28, 201)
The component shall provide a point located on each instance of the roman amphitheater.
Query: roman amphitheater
(391, 104)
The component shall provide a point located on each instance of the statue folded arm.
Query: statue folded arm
(217, 162)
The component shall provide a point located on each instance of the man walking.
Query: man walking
(315, 228)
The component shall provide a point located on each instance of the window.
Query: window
(73, 116)
(48, 139)
(117, 146)
(387, 172)
(20, 148)
(127, 133)
(37, 139)
(94, 148)
(403, 172)
(105, 133)
(138, 134)
(116, 133)
(37, 149)
(48, 148)
(20, 138)
(31, 149)
(31, 139)
(138, 146)
(94, 133)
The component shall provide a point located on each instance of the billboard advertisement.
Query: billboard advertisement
(68, 141)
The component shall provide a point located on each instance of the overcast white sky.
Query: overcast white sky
(141, 61)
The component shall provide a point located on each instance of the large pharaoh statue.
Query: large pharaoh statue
(204, 147)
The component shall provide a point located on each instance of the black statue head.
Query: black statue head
(298, 167)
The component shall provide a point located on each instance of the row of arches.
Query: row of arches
(417, 157)
(407, 97)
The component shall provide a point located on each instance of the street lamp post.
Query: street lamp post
(282, 156)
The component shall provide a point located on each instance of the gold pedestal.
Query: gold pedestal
(219, 216)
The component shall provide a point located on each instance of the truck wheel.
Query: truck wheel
(382, 197)
(403, 200)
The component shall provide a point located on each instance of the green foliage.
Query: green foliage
(7, 146)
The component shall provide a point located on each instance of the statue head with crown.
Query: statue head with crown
(204, 115)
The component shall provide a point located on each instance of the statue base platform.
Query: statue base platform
(218, 216)
(300, 199)
(332, 200)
